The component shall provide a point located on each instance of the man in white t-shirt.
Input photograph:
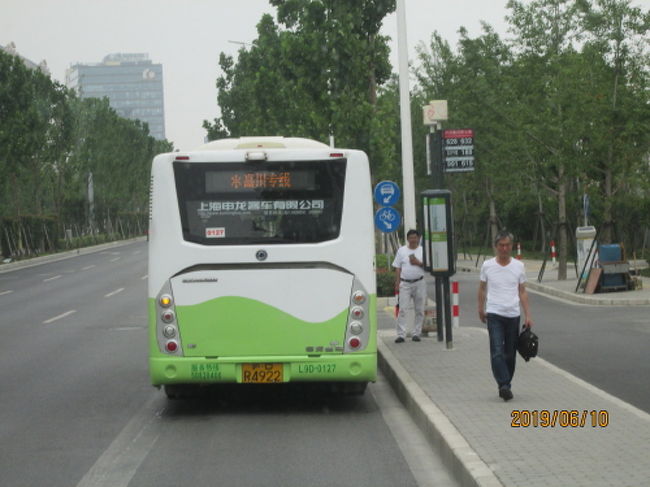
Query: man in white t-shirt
(501, 292)
(409, 277)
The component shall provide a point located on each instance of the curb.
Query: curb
(466, 465)
(577, 298)
(46, 259)
(583, 299)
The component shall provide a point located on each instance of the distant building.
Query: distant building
(42, 66)
(132, 84)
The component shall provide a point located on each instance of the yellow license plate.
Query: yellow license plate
(261, 373)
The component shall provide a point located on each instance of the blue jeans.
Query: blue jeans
(503, 333)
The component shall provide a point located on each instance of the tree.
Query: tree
(615, 34)
(316, 76)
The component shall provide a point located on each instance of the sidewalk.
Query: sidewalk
(550, 285)
(486, 442)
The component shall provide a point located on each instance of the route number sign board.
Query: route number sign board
(458, 150)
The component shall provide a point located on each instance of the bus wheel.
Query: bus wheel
(350, 388)
(177, 391)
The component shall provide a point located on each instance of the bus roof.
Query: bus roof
(262, 143)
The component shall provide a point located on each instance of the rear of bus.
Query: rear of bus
(261, 265)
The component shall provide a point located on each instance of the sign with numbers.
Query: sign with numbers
(458, 150)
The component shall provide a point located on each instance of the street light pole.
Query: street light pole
(408, 178)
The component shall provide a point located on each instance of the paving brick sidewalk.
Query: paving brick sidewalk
(458, 384)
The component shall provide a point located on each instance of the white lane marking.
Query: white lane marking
(121, 460)
(62, 315)
(113, 293)
(51, 278)
(88, 267)
(115, 259)
(8, 291)
(144, 277)
(136, 252)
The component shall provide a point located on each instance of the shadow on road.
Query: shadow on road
(243, 399)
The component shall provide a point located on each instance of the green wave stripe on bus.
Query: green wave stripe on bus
(232, 325)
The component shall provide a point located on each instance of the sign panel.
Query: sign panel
(438, 232)
(434, 112)
(458, 150)
(387, 193)
(387, 219)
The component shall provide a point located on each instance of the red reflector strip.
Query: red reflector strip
(336, 154)
(182, 158)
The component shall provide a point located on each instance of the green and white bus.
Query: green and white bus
(261, 270)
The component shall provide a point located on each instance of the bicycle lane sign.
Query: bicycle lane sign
(387, 219)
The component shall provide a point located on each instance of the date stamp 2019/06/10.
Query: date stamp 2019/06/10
(563, 418)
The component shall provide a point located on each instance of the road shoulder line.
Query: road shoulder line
(121, 460)
(466, 464)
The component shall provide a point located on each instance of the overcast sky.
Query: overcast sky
(186, 37)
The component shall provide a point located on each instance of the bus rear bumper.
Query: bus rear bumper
(356, 367)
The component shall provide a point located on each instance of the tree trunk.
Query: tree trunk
(493, 219)
(562, 224)
(608, 219)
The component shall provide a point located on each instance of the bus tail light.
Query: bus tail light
(356, 328)
(167, 330)
(354, 342)
(357, 334)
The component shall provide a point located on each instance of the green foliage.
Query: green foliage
(561, 109)
(51, 143)
(312, 74)
(385, 283)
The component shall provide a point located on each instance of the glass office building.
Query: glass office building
(132, 84)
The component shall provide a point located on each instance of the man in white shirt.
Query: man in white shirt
(409, 277)
(501, 292)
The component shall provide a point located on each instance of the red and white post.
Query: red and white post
(518, 256)
(455, 307)
(553, 252)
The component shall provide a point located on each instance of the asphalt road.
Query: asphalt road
(606, 346)
(77, 408)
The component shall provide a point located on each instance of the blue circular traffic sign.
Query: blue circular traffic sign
(387, 193)
(387, 219)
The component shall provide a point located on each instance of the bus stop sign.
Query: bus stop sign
(387, 193)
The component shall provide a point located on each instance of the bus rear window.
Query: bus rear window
(250, 203)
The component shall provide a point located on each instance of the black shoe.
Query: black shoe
(505, 393)
(399, 340)
(416, 338)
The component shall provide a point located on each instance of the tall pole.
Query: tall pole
(408, 179)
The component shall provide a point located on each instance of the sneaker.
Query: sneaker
(399, 340)
(416, 338)
(505, 393)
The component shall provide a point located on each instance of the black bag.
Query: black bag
(527, 344)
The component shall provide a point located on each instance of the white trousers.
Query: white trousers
(417, 293)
